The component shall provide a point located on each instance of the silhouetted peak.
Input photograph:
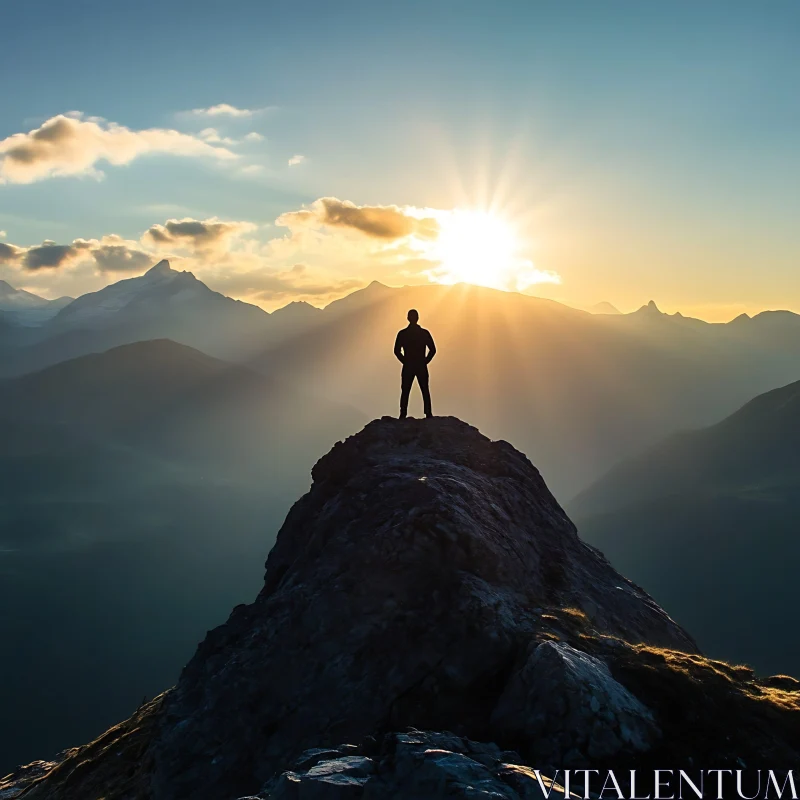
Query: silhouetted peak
(163, 271)
(779, 317)
(20, 297)
(649, 310)
(371, 290)
(372, 293)
(160, 269)
(297, 308)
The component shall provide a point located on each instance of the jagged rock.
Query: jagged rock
(417, 584)
(569, 711)
(16, 782)
(419, 765)
(399, 592)
(785, 682)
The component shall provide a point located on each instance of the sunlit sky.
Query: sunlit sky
(581, 151)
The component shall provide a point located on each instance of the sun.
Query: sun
(481, 248)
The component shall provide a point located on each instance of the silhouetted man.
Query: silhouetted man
(410, 348)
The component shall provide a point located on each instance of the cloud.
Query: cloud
(72, 145)
(296, 159)
(326, 250)
(113, 254)
(109, 254)
(9, 253)
(253, 136)
(3, 234)
(380, 222)
(225, 110)
(49, 255)
(213, 136)
(196, 235)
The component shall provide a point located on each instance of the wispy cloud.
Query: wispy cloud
(110, 254)
(213, 136)
(296, 159)
(69, 144)
(253, 136)
(380, 222)
(200, 236)
(227, 110)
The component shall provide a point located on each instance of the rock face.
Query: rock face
(402, 590)
(567, 702)
(429, 580)
(418, 765)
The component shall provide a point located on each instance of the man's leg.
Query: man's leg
(423, 380)
(406, 379)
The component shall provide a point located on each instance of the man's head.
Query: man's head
(413, 316)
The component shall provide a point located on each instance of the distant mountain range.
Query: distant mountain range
(27, 308)
(707, 521)
(162, 303)
(578, 390)
(139, 489)
(160, 293)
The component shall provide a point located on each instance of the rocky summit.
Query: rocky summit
(430, 625)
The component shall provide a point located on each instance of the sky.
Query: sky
(583, 151)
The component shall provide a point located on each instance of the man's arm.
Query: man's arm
(398, 346)
(431, 349)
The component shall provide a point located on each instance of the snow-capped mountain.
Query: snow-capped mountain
(28, 308)
(160, 289)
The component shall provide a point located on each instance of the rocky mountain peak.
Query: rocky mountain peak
(297, 309)
(428, 580)
(649, 308)
(160, 270)
(20, 297)
(442, 498)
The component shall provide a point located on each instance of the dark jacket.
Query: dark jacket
(411, 344)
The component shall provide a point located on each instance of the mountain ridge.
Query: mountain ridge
(27, 308)
(587, 389)
(160, 284)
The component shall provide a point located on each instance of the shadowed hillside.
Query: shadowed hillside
(707, 521)
(138, 491)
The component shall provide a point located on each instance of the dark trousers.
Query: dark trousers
(420, 372)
